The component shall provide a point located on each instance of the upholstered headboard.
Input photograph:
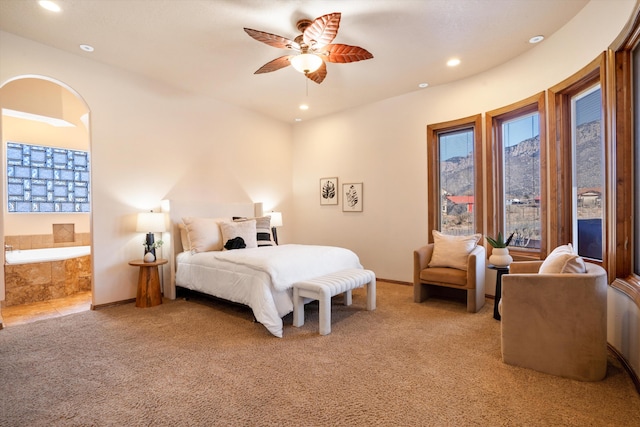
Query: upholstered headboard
(176, 211)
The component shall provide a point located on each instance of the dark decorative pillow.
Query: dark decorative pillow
(263, 230)
(235, 243)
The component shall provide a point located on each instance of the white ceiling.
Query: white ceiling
(200, 45)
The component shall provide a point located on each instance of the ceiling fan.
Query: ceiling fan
(313, 48)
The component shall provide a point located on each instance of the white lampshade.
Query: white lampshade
(258, 211)
(276, 219)
(151, 222)
(306, 62)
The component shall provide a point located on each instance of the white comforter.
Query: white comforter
(262, 277)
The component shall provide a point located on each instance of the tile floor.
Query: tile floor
(26, 313)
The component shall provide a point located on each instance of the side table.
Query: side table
(500, 270)
(149, 293)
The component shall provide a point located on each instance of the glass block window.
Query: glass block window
(47, 179)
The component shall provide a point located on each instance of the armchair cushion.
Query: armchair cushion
(452, 251)
(563, 259)
(444, 275)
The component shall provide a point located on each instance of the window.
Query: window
(455, 195)
(47, 179)
(577, 161)
(588, 176)
(517, 202)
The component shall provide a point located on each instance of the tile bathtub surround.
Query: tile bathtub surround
(43, 281)
(37, 241)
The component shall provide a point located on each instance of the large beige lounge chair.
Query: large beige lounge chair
(555, 323)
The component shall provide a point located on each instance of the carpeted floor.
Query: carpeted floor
(203, 363)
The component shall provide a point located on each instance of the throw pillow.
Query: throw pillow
(563, 259)
(245, 229)
(184, 237)
(452, 251)
(263, 230)
(235, 243)
(204, 233)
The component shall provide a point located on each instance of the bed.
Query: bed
(259, 277)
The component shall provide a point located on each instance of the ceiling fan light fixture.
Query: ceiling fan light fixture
(312, 48)
(306, 62)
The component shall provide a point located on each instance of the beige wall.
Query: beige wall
(383, 145)
(151, 142)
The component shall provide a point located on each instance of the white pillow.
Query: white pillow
(204, 233)
(263, 230)
(184, 237)
(563, 259)
(452, 251)
(245, 229)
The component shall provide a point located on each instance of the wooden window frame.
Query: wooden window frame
(494, 149)
(560, 154)
(620, 84)
(433, 161)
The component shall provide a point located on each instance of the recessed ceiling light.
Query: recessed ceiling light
(304, 107)
(536, 39)
(49, 5)
(298, 119)
(423, 85)
(86, 47)
(453, 62)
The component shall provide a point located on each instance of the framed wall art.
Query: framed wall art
(352, 197)
(328, 191)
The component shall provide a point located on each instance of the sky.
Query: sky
(587, 107)
(460, 143)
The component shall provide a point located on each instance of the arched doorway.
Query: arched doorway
(42, 115)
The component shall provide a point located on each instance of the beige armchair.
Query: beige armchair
(555, 323)
(471, 280)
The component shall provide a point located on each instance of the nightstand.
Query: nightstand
(500, 271)
(149, 293)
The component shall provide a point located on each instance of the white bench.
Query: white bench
(324, 287)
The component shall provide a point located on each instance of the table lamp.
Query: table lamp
(151, 222)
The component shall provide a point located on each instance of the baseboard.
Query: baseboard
(111, 304)
(397, 282)
(627, 367)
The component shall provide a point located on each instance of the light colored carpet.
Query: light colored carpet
(201, 363)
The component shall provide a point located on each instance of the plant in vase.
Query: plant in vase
(500, 254)
(150, 249)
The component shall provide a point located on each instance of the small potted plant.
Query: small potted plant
(150, 249)
(500, 254)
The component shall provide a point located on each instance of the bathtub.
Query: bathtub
(30, 256)
(36, 275)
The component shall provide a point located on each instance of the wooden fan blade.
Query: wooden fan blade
(274, 65)
(322, 31)
(318, 75)
(343, 53)
(273, 39)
